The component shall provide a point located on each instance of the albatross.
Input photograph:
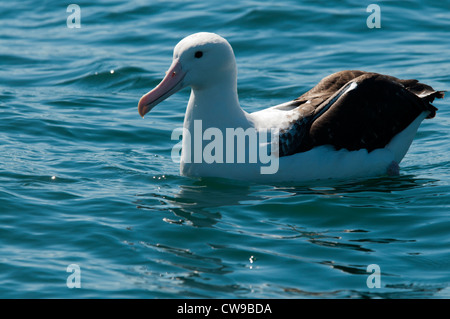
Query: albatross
(352, 124)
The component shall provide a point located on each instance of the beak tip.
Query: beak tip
(142, 109)
(142, 114)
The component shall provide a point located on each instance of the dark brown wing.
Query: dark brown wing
(366, 116)
(328, 86)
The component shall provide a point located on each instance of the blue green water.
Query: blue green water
(84, 180)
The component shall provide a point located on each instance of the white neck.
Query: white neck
(217, 106)
(214, 107)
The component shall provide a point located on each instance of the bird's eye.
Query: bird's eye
(198, 54)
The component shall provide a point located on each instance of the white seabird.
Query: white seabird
(351, 124)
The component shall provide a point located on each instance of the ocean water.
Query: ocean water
(89, 194)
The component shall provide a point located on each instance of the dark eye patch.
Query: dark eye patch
(198, 54)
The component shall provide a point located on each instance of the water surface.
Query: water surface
(84, 180)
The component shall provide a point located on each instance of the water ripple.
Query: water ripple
(83, 179)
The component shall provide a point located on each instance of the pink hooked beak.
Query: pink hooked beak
(172, 83)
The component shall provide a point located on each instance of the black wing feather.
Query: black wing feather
(367, 117)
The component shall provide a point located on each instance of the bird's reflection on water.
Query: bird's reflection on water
(198, 202)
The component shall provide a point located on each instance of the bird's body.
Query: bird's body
(351, 124)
